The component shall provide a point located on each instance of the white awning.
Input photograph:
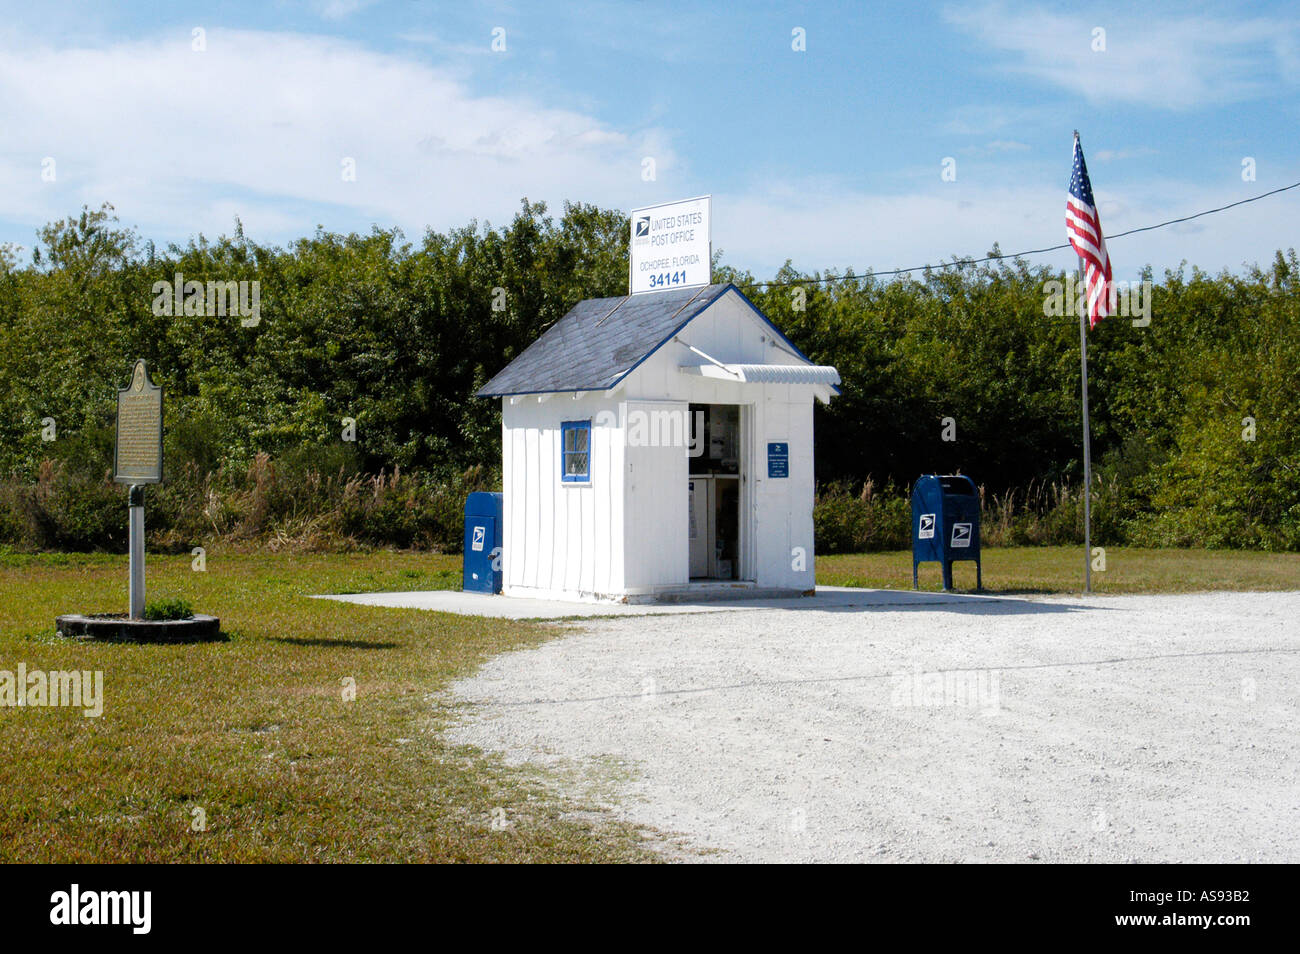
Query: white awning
(822, 377)
(767, 373)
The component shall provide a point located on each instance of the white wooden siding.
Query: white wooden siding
(625, 531)
(656, 523)
(561, 538)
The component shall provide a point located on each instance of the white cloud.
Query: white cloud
(1170, 61)
(339, 9)
(427, 38)
(987, 119)
(256, 127)
(259, 124)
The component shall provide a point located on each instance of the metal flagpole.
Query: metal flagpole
(1083, 367)
(1087, 441)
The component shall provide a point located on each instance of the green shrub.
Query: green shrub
(16, 514)
(71, 512)
(862, 522)
(168, 607)
(410, 510)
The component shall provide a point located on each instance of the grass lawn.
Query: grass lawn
(255, 731)
(1060, 570)
(257, 734)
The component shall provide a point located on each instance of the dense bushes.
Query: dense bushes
(1196, 419)
(276, 506)
(846, 520)
(63, 511)
(1196, 414)
(263, 505)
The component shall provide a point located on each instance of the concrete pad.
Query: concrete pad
(827, 598)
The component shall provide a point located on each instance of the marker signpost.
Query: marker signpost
(137, 461)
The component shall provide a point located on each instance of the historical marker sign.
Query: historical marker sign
(139, 457)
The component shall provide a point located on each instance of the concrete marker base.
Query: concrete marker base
(116, 627)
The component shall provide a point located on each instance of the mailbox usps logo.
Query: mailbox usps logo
(642, 227)
(926, 529)
(478, 538)
(960, 535)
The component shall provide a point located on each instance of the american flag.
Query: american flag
(1083, 226)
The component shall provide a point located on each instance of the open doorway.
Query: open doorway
(715, 486)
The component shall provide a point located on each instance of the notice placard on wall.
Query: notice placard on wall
(671, 246)
(778, 459)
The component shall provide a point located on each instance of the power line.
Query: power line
(1032, 251)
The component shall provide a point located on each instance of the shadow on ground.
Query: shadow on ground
(840, 599)
(331, 643)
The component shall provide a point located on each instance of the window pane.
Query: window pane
(575, 457)
(575, 465)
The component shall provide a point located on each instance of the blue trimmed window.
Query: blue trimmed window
(575, 459)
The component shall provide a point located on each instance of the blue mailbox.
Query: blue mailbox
(482, 567)
(946, 524)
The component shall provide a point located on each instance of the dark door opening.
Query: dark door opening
(714, 492)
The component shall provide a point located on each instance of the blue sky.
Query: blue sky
(831, 157)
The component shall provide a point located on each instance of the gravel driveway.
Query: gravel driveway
(1112, 729)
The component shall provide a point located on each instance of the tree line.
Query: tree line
(364, 350)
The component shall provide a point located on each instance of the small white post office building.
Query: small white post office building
(659, 446)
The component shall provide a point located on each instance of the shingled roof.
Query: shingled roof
(600, 341)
